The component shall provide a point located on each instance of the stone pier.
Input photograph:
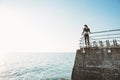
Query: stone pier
(97, 64)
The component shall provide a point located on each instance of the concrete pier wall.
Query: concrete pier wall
(97, 64)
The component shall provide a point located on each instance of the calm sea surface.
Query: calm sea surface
(36, 66)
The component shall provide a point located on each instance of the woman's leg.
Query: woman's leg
(88, 40)
(85, 37)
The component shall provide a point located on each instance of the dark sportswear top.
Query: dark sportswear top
(86, 30)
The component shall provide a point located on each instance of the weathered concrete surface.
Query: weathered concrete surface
(97, 64)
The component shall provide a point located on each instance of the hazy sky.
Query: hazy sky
(53, 25)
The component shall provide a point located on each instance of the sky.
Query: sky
(53, 25)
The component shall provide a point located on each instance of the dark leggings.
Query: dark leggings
(86, 37)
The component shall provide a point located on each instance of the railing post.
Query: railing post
(101, 43)
(115, 42)
(107, 43)
(95, 44)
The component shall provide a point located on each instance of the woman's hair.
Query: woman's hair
(85, 25)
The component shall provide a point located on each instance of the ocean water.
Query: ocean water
(36, 66)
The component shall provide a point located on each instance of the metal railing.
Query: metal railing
(108, 38)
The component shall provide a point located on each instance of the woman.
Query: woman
(86, 32)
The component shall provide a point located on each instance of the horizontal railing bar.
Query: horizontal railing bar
(107, 38)
(106, 35)
(105, 31)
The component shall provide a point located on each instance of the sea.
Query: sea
(36, 66)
